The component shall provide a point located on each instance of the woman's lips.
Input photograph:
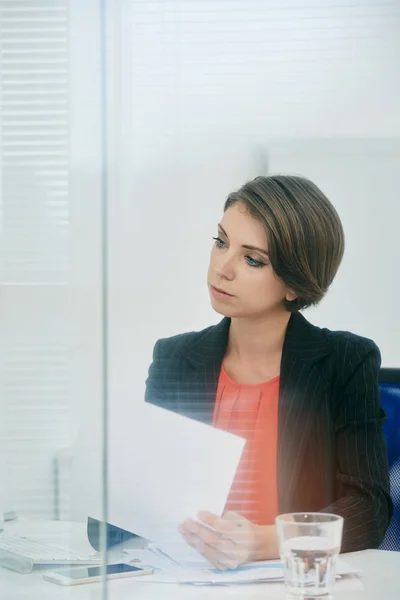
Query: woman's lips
(218, 293)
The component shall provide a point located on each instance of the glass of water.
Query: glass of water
(309, 545)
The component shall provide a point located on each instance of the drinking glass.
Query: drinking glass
(309, 545)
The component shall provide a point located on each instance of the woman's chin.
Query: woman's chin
(222, 309)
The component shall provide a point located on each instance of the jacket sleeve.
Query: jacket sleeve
(154, 377)
(363, 489)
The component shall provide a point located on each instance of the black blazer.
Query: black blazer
(331, 449)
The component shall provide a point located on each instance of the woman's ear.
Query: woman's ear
(290, 296)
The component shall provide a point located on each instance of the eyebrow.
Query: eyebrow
(247, 246)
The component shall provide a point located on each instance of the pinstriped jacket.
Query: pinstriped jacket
(331, 449)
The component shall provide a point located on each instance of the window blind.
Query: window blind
(34, 236)
(34, 133)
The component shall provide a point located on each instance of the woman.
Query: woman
(306, 399)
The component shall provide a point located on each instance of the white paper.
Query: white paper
(162, 468)
(256, 572)
(147, 558)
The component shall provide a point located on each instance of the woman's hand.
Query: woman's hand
(232, 541)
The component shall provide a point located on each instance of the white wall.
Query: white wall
(235, 71)
(214, 85)
(360, 177)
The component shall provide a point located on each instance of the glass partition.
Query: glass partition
(124, 125)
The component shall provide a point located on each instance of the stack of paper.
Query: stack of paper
(162, 468)
(167, 571)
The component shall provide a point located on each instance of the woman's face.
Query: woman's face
(239, 266)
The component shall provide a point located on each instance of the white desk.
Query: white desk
(381, 576)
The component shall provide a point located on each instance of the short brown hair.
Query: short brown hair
(304, 232)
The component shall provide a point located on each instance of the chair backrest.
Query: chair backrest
(389, 384)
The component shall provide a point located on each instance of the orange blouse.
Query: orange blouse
(251, 412)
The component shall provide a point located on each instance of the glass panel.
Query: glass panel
(52, 198)
(124, 124)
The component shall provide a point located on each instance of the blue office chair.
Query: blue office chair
(389, 384)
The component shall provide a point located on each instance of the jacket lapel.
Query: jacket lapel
(301, 390)
(203, 363)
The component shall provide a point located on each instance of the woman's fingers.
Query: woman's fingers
(209, 537)
(225, 541)
(220, 561)
(209, 518)
(194, 541)
(216, 556)
(231, 525)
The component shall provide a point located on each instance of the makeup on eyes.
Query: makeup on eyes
(252, 262)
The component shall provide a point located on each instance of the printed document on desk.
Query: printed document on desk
(165, 571)
(162, 468)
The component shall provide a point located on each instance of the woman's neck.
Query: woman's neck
(257, 339)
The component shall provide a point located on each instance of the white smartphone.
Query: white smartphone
(92, 574)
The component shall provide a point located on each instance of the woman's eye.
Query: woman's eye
(254, 263)
(219, 243)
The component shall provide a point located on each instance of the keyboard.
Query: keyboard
(21, 554)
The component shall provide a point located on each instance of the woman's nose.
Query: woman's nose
(226, 267)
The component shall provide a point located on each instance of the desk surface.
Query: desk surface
(380, 579)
